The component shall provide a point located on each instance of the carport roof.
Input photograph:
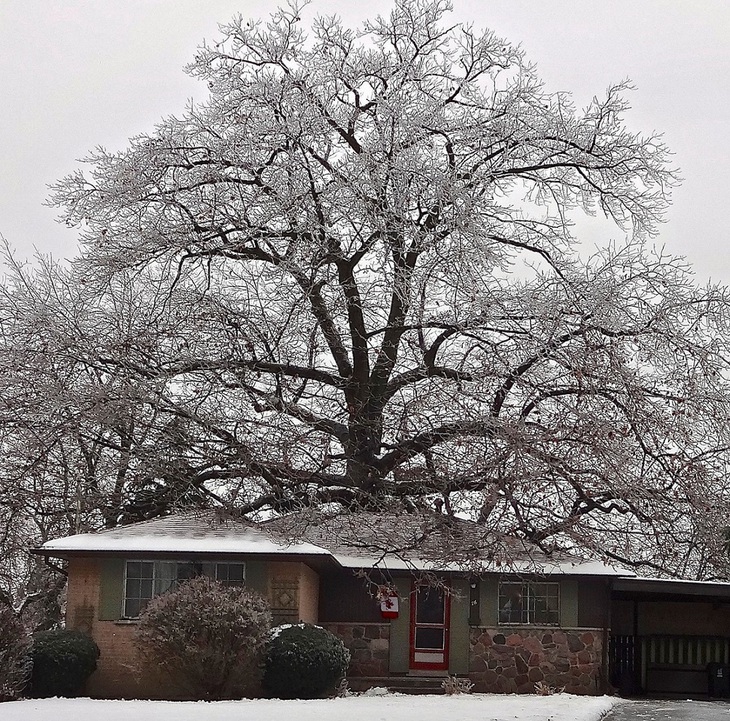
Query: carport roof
(669, 589)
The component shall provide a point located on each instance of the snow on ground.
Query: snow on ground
(476, 707)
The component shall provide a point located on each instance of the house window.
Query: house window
(529, 602)
(138, 587)
(230, 574)
(145, 579)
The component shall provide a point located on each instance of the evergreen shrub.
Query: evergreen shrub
(304, 661)
(62, 661)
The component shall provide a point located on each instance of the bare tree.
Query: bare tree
(85, 442)
(369, 239)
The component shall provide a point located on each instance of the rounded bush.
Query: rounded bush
(304, 661)
(205, 638)
(62, 661)
(14, 655)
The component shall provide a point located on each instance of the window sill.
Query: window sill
(536, 624)
(127, 621)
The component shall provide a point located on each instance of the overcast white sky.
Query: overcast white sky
(81, 73)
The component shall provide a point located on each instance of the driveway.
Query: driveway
(671, 711)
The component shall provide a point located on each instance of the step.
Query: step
(398, 684)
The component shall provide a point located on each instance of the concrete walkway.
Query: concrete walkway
(671, 711)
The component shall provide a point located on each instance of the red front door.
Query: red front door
(429, 628)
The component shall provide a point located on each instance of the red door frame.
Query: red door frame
(423, 665)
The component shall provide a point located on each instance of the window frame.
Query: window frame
(229, 582)
(125, 586)
(528, 611)
(163, 582)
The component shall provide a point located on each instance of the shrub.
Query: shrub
(15, 664)
(62, 661)
(206, 638)
(543, 689)
(453, 685)
(304, 661)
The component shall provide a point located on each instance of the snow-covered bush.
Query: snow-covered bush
(14, 655)
(304, 661)
(62, 661)
(206, 638)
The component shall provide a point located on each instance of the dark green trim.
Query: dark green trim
(400, 629)
(257, 577)
(474, 602)
(569, 602)
(111, 582)
(489, 594)
(459, 627)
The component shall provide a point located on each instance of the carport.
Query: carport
(670, 637)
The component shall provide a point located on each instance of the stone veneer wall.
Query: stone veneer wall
(514, 660)
(369, 646)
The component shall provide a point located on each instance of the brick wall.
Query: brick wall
(116, 674)
(308, 594)
(82, 599)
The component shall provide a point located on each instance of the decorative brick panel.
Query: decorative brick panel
(514, 660)
(284, 597)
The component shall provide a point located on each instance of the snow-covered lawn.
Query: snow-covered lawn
(477, 707)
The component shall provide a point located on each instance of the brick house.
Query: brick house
(407, 620)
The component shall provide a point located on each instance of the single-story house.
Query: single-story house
(409, 613)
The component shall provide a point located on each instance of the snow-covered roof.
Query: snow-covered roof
(202, 532)
(545, 566)
(430, 541)
(406, 542)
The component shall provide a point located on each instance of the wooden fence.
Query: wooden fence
(665, 664)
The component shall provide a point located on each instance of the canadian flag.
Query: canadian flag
(388, 602)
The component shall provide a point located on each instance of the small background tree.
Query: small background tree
(304, 661)
(205, 637)
(14, 655)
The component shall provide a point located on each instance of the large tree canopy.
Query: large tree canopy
(367, 290)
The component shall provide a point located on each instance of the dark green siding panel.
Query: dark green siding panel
(569, 603)
(347, 599)
(257, 577)
(112, 589)
(400, 629)
(459, 627)
(593, 602)
(489, 612)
